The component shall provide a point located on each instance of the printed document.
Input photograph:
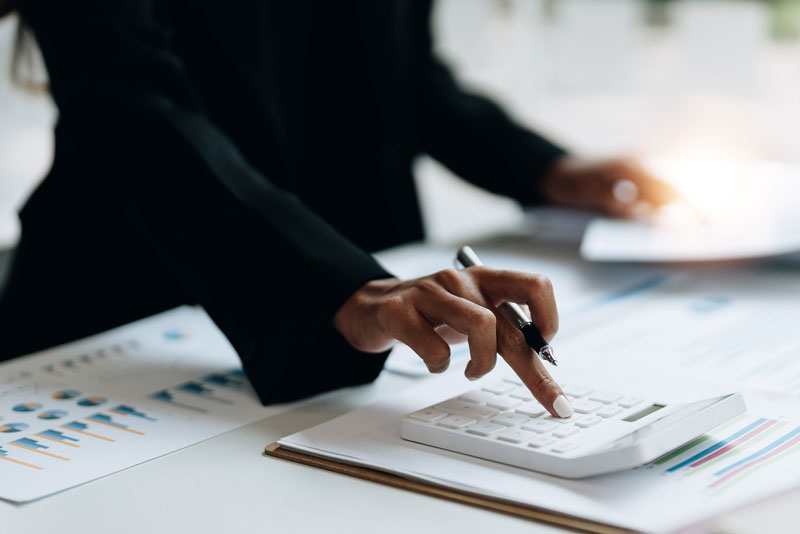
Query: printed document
(94, 407)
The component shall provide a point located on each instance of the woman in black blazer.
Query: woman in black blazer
(248, 157)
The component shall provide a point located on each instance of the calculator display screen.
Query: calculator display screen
(664, 422)
(653, 408)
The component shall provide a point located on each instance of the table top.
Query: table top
(226, 484)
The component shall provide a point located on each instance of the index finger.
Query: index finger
(530, 369)
(535, 290)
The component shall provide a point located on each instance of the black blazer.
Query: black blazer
(245, 156)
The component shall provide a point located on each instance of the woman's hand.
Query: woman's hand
(423, 313)
(616, 187)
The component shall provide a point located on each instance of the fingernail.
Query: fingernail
(473, 378)
(625, 191)
(562, 406)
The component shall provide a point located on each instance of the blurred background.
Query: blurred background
(649, 78)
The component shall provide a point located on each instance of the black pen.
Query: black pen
(513, 312)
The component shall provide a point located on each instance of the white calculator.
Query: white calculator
(609, 430)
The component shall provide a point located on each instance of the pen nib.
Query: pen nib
(547, 354)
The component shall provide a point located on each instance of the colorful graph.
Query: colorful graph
(196, 388)
(104, 419)
(82, 428)
(123, 409)
(224, 380)
(165, 396)
(734, 451)
(34, 446)
(27, 407)
(52, 414)
(59, 437)
(4, 456)
(65, 394)
(9, 428)
(92, 401)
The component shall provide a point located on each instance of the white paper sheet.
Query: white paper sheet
(654, 498)
(742, 211)
(94, 407)
(697, 333)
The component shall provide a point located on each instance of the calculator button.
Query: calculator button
(576, 390)
(540, 426)
(564, 446)
(588, 421)
(586, 406)
(630, 402)
(531, 409)
(476, 396)
(541, 441)
(428, 415)
(458, 407)
(499, 387)
(522, 393)
(565, 432)
(503, 403)
(485, 429)
(456, 422)
(606, 397)
(561, 420)
(609, 411)
(514, 381)
(510, 419)
(516, 436)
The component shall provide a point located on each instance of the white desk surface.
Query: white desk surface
(225, 484)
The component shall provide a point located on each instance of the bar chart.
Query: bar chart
(94, 407)
(733, 452)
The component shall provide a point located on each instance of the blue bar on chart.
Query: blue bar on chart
(4, 456)
(107, 420)
(123, 409)
(224, 380)
(718, 445)
(60, 437)
(780, 441)
(165, 396)
(34, 446)
(196, 388)
(81, 428)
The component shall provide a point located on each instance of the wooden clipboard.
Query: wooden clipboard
(373, 475)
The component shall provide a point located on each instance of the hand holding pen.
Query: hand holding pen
(451, 305)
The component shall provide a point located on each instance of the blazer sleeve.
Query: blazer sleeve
(131, 134)
(473, 136)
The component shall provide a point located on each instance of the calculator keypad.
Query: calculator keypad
(506, 412)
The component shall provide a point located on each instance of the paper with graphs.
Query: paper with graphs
(94, 407)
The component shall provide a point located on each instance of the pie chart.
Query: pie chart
(8, 428)
(91, 401)
(27, 407)
(52, 414)
(66, 394)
